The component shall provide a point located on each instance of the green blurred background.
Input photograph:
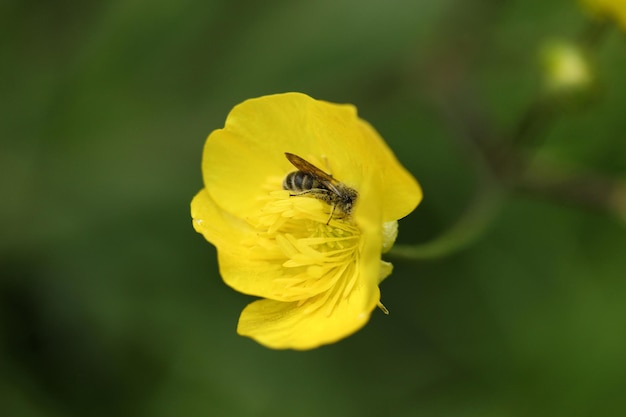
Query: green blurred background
(112, 305)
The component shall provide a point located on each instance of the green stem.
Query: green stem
(592, 35)
(508, 169)
(581, 189)
(465, 231)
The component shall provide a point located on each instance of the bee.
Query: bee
(312, 181)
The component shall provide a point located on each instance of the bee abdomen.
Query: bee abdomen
(300, 181)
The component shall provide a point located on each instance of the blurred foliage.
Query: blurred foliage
(112, 305)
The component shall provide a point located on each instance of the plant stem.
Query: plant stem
(465, 231)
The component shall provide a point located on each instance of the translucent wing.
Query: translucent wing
(311, 169)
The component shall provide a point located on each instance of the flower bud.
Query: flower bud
(566, 69)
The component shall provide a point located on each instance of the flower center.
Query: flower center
(318, 257)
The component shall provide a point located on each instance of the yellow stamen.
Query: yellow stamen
(319, 259)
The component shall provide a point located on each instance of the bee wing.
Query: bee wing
(309, 168)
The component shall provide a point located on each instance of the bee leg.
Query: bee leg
(299, 193)
(332, 211)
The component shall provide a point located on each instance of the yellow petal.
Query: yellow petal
(400, 193)
(240, 158)
(280, 325)
(386, 268)
(252, 275)
(217, 226)
(242, 267)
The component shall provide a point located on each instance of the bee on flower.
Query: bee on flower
(301, 197)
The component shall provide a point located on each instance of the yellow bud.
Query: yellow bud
(565, 66)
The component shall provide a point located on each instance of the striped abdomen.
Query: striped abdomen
(299, 181)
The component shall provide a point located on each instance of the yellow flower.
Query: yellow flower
(611, 8)
(316, 268)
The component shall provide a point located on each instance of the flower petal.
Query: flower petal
(400, 193)
(239, 159)
(280, 325)
(241, 266)
(218, 227)
(254, 276)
